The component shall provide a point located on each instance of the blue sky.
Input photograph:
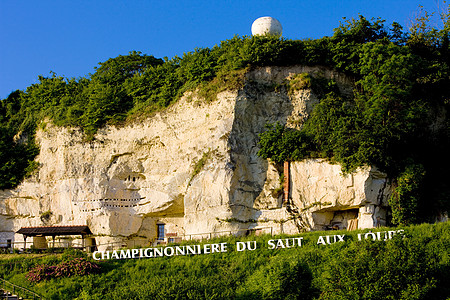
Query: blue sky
(70, 37)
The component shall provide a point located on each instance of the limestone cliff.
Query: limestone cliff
(194, 168)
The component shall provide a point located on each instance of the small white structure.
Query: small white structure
(266, 25)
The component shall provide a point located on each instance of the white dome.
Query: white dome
(266, 25)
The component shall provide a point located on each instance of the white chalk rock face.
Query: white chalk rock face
(193, 169)
(266, 25)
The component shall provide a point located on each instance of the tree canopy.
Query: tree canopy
(395, 120)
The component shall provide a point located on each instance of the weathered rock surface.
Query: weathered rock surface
(193, 168)
(329, 198)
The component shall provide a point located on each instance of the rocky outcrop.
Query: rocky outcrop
(327, 198)
(194, 169)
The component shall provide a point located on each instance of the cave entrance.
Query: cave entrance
(345, 219)
(336, 219)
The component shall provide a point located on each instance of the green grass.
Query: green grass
(414, 267)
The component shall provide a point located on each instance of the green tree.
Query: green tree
(406, 196)
(283, 144)
(16, 159)
(108, 99)
(116, 70)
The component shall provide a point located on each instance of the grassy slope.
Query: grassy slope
(416, 267)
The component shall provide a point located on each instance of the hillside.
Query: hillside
(194, 169)
(392, 117)
(414, 265)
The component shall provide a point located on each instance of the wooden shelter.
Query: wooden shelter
(54, 231)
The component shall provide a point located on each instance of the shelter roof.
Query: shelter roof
(55, 230)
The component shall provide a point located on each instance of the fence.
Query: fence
(240, 232)
(12, 247)
(170, 238)
(17, 290)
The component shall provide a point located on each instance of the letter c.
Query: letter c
(95, 257)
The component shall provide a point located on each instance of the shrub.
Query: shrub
(76, 266)
(280, 143)
(299, 82)
(405, 198)
(396, 269)
(282, 278)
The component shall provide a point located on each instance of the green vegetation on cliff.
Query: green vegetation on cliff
(396, 119)
(414, 267)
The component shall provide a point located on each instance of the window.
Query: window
(160, 233)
